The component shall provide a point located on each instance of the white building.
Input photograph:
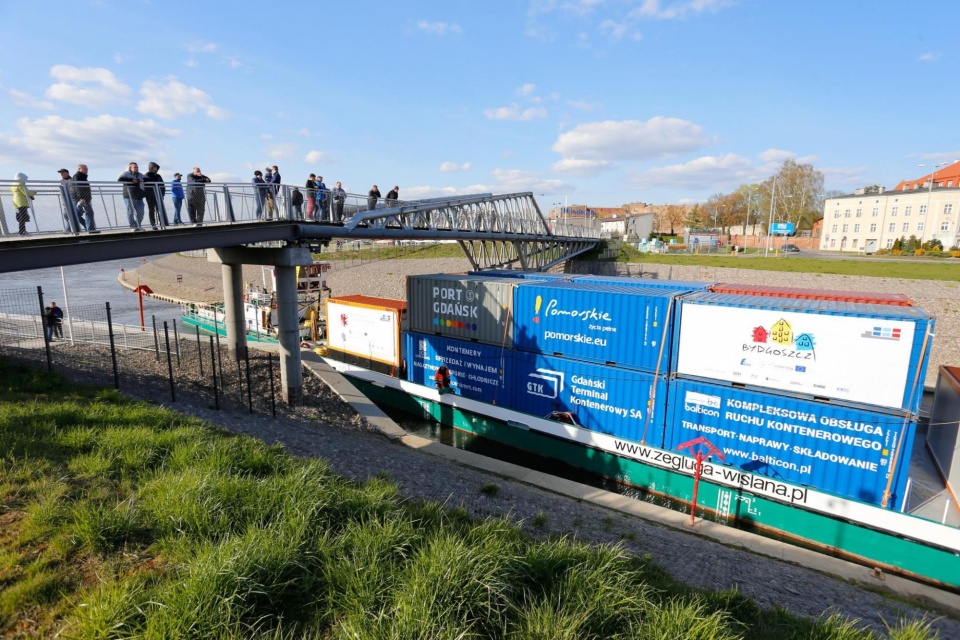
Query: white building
(866, 222)
(639, 225)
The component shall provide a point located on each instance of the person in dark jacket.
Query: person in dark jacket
(310, 195)
(259, 194)
(323, 200)
(83, 196)
(196, 196)
(392, 196)
(71, 223)
(372, 196)
(133, 194)
(296, 199)
(56, 318)
(155, 189)
(339, 197)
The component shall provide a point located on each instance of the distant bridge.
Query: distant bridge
(492, 230)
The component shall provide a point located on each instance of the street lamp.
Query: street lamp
(746, 222)
(773, 193)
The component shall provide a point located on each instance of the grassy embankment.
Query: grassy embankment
(944, 269)
(119, 519)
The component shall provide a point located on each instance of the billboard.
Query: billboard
(369, 332)
(781, 228)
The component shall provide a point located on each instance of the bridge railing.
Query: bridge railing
(58, 207)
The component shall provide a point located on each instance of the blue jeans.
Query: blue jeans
(134, 212)
(259, 211)
(177, 203)
(85, 213)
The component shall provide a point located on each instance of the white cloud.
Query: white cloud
(453, 166)
(224, 176)
(317, 157)
(233, 63)
(281, 151)
(514, 112)
(191, 63)
(303, 131)
(526, 89)
(117, 58)
(928, 57)
(438, 28)
(660, 10)
(201, 47)
(630, 139)
(580, 167)
(103, 142)
(176, 99)
(24, 99)
(92, 87)
(776, 156)
(704, 173)
(619, 30)
(583, 105)
(516, 180)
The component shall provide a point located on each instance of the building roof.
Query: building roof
(948, 176)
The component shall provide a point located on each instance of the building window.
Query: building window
(923, 209)
(945, 225)
(873, 228)
(893, 212)
(906, 227)
(919, 227)
(949, 183)
(856, 228)
(947, 209)
(836, 214)
(876, 211)
(846, 213)
(859, 212)
(854, 245)
(833, 243)
(889, 242)
(907, 210)
(846, 227)
(833, 229)
(893, 227)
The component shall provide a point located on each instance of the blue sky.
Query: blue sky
(599, 102)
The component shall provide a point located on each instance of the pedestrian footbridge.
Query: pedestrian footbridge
(63, 225)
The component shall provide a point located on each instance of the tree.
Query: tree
(797, 192)
(696, 217)
(675, 216)
(874, 188)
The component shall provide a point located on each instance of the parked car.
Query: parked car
(789, 247)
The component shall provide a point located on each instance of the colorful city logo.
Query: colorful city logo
(782, 333)
(536, 309)
(343, 319)
(882, 333)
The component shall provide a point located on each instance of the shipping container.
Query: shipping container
(849, 353)
(623, 326)
(647, 283)
(477, 371)
(620, 402)
(849, 452)
(366, 331)
(469, 307)
(893, 299)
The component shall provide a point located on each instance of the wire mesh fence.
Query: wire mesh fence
(160, 361)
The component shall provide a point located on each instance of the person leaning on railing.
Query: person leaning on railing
(83, 196)
(133, 194)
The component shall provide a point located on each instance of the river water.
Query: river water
(93, 284)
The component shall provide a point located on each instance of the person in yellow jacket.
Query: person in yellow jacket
(21, 201)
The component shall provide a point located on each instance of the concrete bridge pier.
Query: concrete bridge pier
(285, 262)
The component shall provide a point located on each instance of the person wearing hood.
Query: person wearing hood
(155, 189)
(21, 201)
(133, 194)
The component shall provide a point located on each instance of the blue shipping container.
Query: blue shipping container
(605, 399)
(477, 370)
(648, 283)
(623, 326)
(536, 276)
(863, 355)
(836, 449)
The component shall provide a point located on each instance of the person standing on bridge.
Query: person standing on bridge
(339, 197)
(155, 189)
(323, 200)
(310, 194)
(133, 194)
(21, 201)
(176, 191)
(196, 196)
(259, 193)
(392, 196)
(372, 196)
(83, 196)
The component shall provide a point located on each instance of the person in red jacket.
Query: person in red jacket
(442, 379)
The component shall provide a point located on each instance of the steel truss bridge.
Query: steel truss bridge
(494, 231)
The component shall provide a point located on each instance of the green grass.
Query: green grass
(123, 520)
(920, 268)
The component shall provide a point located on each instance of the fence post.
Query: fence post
(156, 337)
(239, 382)
(219, 355)
(213, 367)
(176, 341)
(43, 327)
(273, 397)
(113, 350)
(200, 352)
(246, 359)
(166, 338)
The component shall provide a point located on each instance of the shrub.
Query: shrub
(919, 252)
(897, 252)
(955, 253)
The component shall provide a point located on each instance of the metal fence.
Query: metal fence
(161, 361)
